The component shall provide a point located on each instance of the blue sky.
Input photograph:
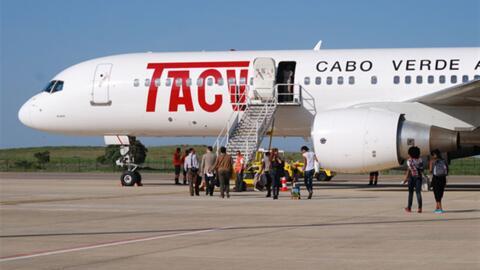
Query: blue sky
(39, 38)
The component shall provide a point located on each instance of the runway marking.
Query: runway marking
(101, 245)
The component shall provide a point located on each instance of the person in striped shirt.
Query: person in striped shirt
(413, 176)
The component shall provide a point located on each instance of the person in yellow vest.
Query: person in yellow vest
(239, 166)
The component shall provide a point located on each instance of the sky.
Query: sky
(39, 38)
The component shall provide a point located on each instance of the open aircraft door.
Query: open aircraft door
(264, 77)
(101, 85)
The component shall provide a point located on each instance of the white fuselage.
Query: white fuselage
(116, 95)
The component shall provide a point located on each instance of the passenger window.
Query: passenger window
(318, 80)
(168, 82)
(374, 80)
(200, 82)
(136, 82)
(329, 80)
(419, 79)
(465, 78)
(209, 81)
(189, 82)
(178, 82)
(340, 80)
(351, 80)
(147, 82)
(231, 81)
(307, 80)
(157, 82)
(476, 77)
(431, 79)
(453, 79)
(243, 80)
(396, 79)
(408, 79)
(220, 81)
(251, 81)
(441, 79)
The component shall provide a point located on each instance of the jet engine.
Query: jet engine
(364, 140)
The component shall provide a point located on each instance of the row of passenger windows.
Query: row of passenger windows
(340, 80)
(396, 79)
(431, 79)
(188, 82)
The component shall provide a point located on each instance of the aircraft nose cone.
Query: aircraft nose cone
(24, 114)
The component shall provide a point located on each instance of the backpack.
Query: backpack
(440, 168)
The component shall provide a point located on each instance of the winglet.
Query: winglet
(318, 46)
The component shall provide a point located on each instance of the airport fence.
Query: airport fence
(466, 166)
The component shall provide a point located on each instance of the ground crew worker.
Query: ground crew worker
(239, 166)
(191, 166)
(277, 171)
(177, 164)
(373, 178)
(309, 159)
(206, 169)
(224, 167)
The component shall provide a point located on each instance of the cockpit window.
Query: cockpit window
(53, 86)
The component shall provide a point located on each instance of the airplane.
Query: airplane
(361, 108)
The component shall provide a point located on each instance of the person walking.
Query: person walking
(239, 166)
(439, 169)
(177, 164)
(309, 159)
(224, 167)
(413, 176)
(373, 178)
(266, 168)
(206, 169)
(184, 171)
(277, 171)
(191, 166)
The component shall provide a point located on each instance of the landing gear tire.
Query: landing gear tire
(322, 176)
(129, 179)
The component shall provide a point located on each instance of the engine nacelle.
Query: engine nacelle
(364, 140)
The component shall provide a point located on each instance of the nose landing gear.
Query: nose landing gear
(130, 176)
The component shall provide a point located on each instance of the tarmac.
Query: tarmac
(88, 221)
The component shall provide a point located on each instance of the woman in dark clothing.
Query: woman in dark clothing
(276, 171)
(439, 170)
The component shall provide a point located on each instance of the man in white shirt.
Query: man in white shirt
(191, 166)
(309, 159)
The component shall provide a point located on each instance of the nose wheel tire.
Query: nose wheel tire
(130, 178)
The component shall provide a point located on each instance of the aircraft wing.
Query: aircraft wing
(467, 94)
(456, 108)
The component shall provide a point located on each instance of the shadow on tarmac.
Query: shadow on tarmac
(285, 226)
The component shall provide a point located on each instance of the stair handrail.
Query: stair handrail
(233, 118)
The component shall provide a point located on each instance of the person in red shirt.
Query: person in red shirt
(239, 166)
(177, 164)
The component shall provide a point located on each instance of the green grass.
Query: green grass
(159, 158)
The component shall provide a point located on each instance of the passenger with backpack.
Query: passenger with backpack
(439, 170)
(414, 177)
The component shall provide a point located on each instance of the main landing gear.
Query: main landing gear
(130, 175)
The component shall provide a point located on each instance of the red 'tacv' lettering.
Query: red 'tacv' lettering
(180, 82)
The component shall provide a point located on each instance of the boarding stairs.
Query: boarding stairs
(247, 126)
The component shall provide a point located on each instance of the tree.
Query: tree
(42, 158)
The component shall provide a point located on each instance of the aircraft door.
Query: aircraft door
(101, 85)
(264, 77)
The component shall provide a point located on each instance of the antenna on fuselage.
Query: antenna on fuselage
(318, 46)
